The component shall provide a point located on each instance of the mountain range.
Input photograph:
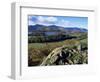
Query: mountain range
(54, 28)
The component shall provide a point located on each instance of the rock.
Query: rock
(65, 56)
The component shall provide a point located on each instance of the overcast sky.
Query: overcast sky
(64, 21)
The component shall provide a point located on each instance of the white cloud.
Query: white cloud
(42, 20)
(51, 19)
(46, 19)
(66, 23)
(30, 22)
(63, 23)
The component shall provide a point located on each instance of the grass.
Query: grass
(61, 43)
(37, 52)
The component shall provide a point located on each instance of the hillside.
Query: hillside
(54, 28)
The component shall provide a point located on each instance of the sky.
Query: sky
(64, 21)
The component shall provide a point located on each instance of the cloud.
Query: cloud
(30, 22)
(52, 20)
(46, 20)
(49, 21)
(63, 23)
(66, 23)
(42, 20)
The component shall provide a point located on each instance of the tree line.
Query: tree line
(48, 38)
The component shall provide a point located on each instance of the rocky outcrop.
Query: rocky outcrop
(66, 55)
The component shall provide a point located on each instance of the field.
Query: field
(75, 48)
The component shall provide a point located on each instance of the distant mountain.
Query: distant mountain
(75, 29)
(34, 27)
(38, 27)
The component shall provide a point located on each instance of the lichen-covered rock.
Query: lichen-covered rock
(66, 55)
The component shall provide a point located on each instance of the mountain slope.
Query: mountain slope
(38, 27)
